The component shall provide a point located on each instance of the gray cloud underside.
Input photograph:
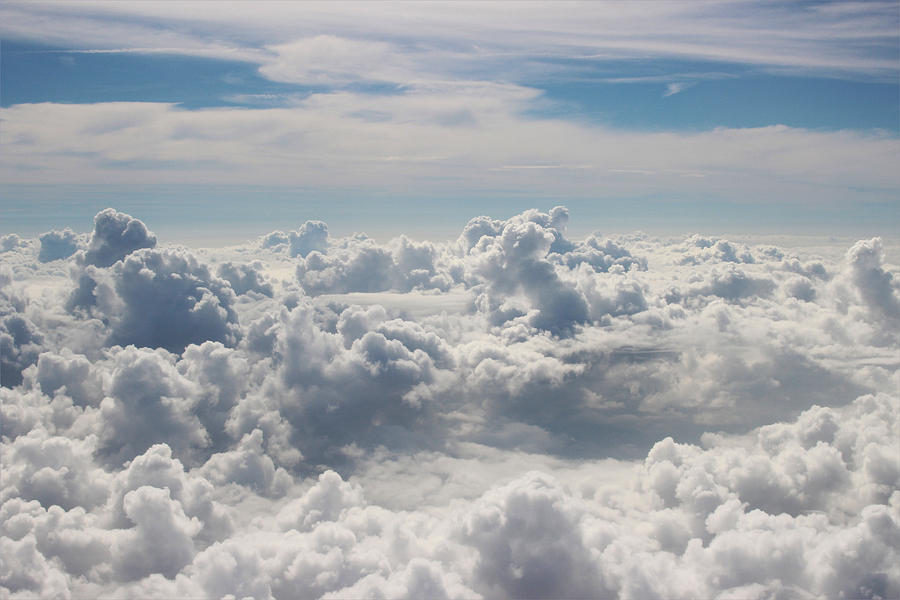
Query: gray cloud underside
(512, 414)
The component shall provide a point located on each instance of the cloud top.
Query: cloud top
(513, 413)
(115, 236)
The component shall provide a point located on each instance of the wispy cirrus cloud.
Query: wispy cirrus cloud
(452, 40)
(676, 87)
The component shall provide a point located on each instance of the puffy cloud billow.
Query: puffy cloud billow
(510, 414)
(155, 298)
(115, 236)
(56, 245)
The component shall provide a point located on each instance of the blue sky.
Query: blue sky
(730, 95)
(655, 116)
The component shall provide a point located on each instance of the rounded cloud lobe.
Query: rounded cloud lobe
(115, 236)
(56, 245)
(512, 414)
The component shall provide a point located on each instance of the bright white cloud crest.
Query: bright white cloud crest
(512, 414)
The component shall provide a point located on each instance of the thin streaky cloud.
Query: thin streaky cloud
(676, 87)
(859, 39)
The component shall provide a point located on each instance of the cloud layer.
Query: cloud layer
(470, 136)
(511, 414)
(444, 40)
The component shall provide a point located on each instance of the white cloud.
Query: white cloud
(245, 278)
(115, 236)
(452, 39)
(161, 541)
(56, 245)
(158, 299)
(417, 138)
(676, 87)
(327, 59)
(718, 421)
(875, 286)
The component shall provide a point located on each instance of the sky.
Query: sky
(453, 301)
(661, 116)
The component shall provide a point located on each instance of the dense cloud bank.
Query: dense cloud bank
(511, 414)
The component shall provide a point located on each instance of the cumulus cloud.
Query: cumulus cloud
(21, 340)
(515, 261)
(245, 278)
(158, 299)
(56, 245)
(697, 249)
(753, 513)
(171, 300)
(70, 374)
(875, 286)
(148, 401)
(359, 264)
(732, 283)
(248, 465)
(55, 471)
(511, 414)
(312, 235)
(115, 236)
(20, 344)
(529, 542)
(11, 242)
(162, 539)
